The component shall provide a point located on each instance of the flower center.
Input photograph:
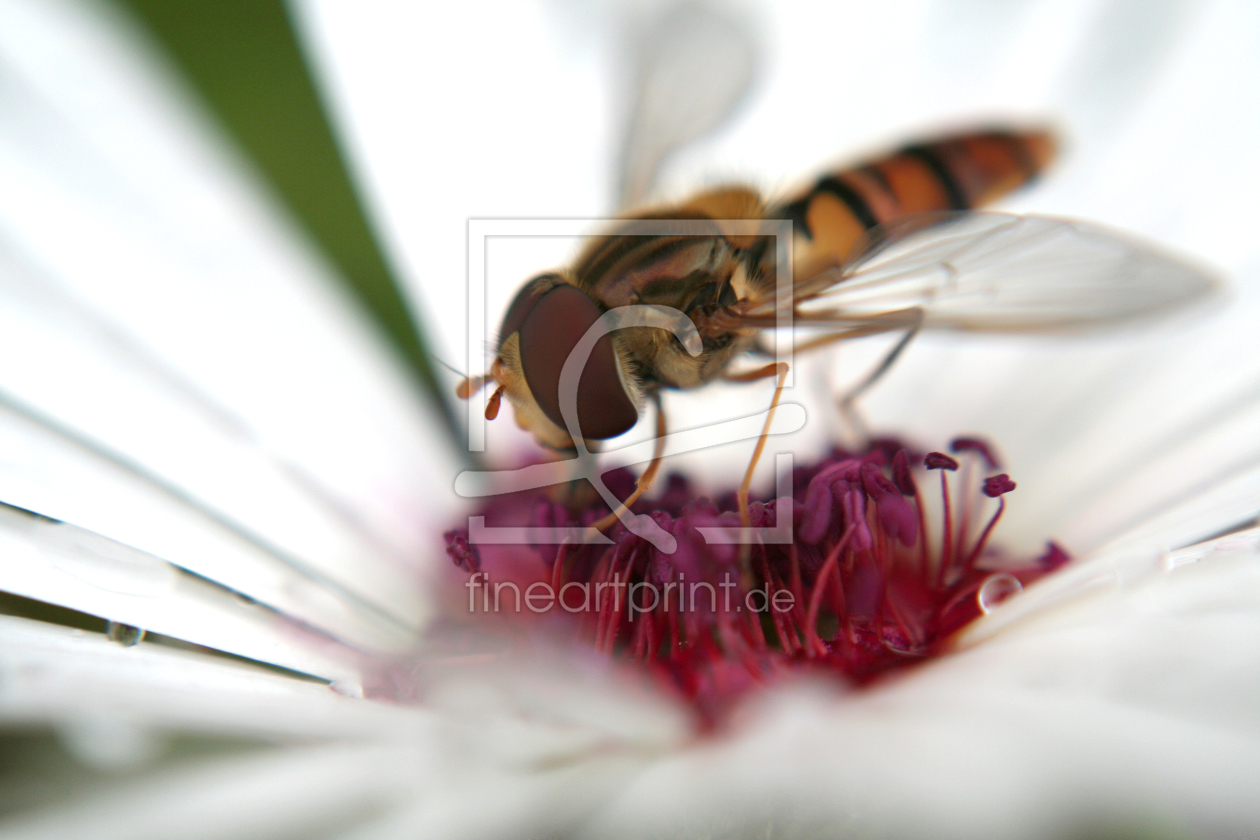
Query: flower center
(874, 573)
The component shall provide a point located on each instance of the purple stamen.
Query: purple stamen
(896, 515)
(463, 555)
(1054, 557)
(939, 461)
(997, 485)
(817, 516)
(863, 588)
(901, 473)
(988, 529)
(980, 447)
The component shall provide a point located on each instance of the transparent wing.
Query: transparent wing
(694, 65)
(1000, 272)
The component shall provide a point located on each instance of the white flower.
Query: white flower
(195, 415)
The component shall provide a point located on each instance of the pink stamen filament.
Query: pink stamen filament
(892, 601)
(557, 567)
(948, 541)
(964, 514)
(984, 535)
(814, 645)
(773, 583)
(923, 541)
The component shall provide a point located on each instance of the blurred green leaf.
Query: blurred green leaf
(243, 57)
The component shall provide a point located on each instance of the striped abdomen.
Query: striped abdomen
(957, 173)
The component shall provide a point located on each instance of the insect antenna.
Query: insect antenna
(468, 385)
(451, 368)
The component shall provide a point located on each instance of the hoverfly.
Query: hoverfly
(894, 244)
(889, 245)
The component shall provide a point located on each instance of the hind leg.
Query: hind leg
(779, 369)
(847, 407)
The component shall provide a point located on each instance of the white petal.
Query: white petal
(41, 470)
(295, 792)
(173, 690)
(62, 564)
(1118, 693)
(499, 751)
(1132, 705)
(170, 340)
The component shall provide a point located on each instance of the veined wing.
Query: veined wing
(694, 67)
(1002, 272)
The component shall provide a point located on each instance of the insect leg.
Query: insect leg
(755, 375)
(649, 475)
(781, 370)
(847, 408)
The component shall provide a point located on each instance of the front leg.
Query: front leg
(779, 369)
(645, 480)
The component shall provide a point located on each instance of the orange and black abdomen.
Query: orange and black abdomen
(955, 173)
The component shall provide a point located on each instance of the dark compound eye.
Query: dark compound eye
(551, 328)
(524, 303)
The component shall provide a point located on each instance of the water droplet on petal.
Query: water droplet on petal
(996, 589)
(123, 634)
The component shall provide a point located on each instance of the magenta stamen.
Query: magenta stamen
(862, 562)
(772, 583)
(902, 624)
(636, 642)
(787, 638)
(947, 542)
(463, 555)
(603, 599)
(984, 535)
(756, 631)
(812, 642)
(729, 636)
(837, 587)
(882, 560)
(817, 514)
(902, 476)
(557, 567)
(997, 485)
(616, 596)
(797, 589)
(614, 618)
(1054, 557)
(671, 617)
(962, 595)
(923, 543)
(895, 515)
(962, 524)
(980, 447)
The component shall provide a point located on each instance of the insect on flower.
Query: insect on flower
(855, 566)
(892, 245)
